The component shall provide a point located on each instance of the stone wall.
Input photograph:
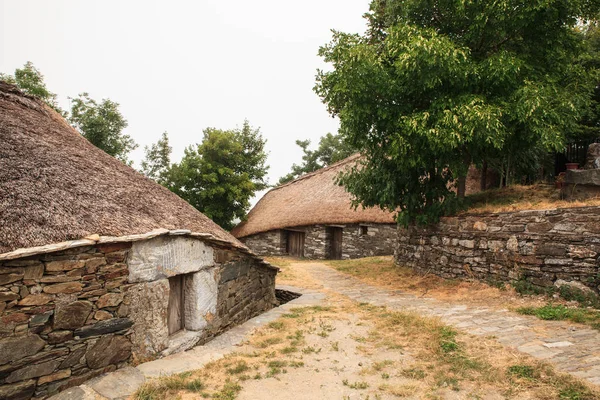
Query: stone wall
(69, 316)
(62, 319)
(379, 240)
(270, 243)
(538, 246)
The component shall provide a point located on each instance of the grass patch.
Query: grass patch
(559, 312)
(521, 197)
(522, 371)
(240, 367)
(355, 385)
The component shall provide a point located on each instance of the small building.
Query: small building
(100, 266)
(312, 217)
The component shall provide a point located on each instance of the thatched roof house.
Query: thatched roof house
(98, 262)
(312, 217)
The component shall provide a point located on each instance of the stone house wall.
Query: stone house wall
(270, 243)
(379, 240)
(538, 246)
(68, 316)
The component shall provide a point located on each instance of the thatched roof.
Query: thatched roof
(55, 186)
(312, 199)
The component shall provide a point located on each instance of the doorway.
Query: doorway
(334, 235)
(175, 313)
(295, 243)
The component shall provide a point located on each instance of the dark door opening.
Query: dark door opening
(334, 234)
(175, 319)
(295, 243)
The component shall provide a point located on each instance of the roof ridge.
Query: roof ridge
(318, 171)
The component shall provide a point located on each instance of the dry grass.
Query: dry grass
(291, 273)
(358, 348)
(519, 198)
(381, 271)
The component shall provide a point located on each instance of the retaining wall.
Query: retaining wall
(538, 246)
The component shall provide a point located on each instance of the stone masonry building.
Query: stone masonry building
(99, 266)
(312, 217)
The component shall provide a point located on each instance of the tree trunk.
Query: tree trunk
(483, 180)
(462, 187)
(462, 180)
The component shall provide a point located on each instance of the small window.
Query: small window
(364, 230)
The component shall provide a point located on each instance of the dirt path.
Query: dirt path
(572, 349)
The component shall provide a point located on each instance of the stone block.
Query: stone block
(167, 256)
(16, 348)
(41, 319)
(5, 279)
(18, 391)
(8, 296)
(68, 287)
(33, 371)
(63, 374)
(64, 265)
(36, 300)
(92, 265)
(147, 306)
(34, 272)
(57, 337)
(109, 300)
(72, 315)
(73, 358)
(102, 315)
(551, 249)
(104, 327)
(200, 305)
(539, 227)
(108, 350)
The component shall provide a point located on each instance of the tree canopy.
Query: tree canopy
(435, 85)
(102, 124)
(156, 164)
(31, 81)
(220, 175)
(331, 149)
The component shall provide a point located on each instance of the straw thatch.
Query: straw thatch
(312, 199)
(55, 186)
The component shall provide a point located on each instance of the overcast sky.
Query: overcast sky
(182, 66)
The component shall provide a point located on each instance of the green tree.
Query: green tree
(102, 124)
(331, 149)
(157, 161)
(435, 85)
(221, 175)
(31, 81)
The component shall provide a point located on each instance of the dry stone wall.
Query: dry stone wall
(69, 316)
(379, 240)
(271, 243)
(62, 319)
(538, 246)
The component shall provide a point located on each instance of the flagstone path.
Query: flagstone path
(571, 348)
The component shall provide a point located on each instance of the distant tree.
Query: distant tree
(31, 81)
(102, 124)
(157, 161)
(220, 175)
(331, 149)
(436, 85)
(590, 124)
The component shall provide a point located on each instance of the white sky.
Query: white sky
(182, 66)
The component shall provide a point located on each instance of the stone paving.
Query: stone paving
(571, 348)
